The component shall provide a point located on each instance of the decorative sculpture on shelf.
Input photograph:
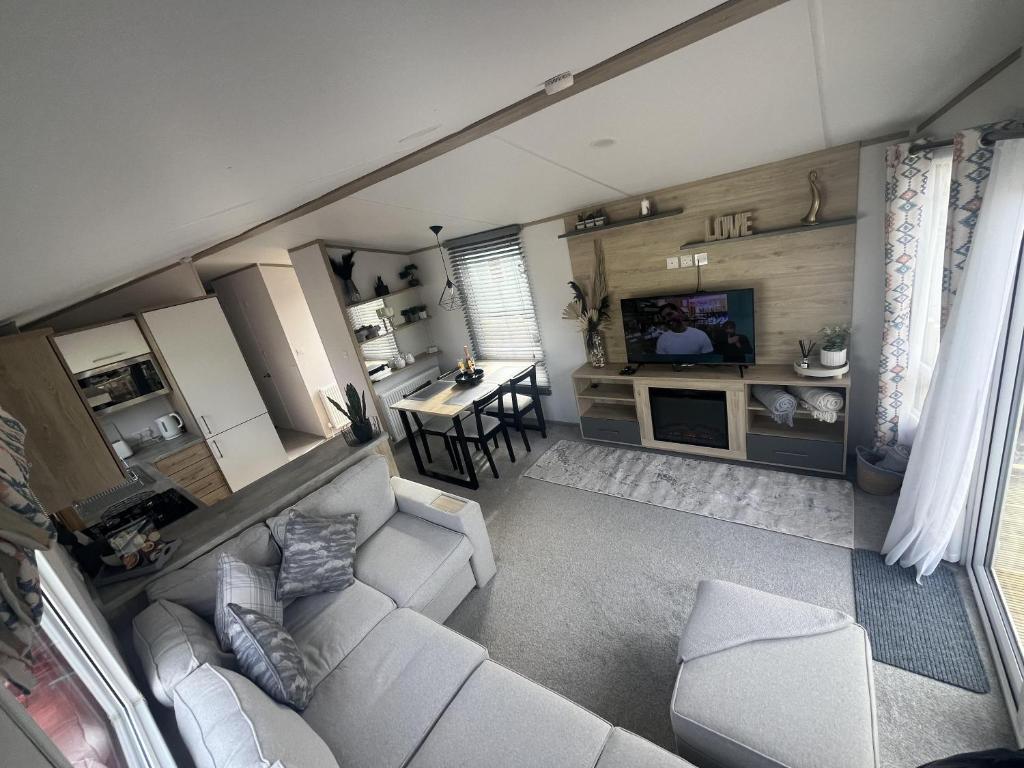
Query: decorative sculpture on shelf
(812, 215)
(344, 271)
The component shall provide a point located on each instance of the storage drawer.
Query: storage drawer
(823, 455)
(193, 473)
(612, 430)
(208, 484)
(215, 495)
(170, 465)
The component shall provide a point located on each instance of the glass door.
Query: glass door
(996, 558)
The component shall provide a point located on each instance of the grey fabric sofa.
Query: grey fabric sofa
(392, 686)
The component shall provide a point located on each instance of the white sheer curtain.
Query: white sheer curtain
(926, 305)
(928, 525)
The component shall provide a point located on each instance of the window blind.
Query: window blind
(489, 269)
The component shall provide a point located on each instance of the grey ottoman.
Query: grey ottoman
(765, 681)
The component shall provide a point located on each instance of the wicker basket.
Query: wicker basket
(873, 479)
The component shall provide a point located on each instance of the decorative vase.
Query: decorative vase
(595, 350)
(380, 287)
(354, 297)
(833, 358)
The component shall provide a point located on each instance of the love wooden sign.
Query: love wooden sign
(729, 226)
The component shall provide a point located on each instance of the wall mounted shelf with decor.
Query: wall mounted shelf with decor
(385, 297)
(624, 223)
(701, 244)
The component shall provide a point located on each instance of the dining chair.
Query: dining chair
(516, 403)
(435, 425)
(480, 427)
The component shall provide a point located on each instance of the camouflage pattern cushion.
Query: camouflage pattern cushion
(318, 555)
(268, 656)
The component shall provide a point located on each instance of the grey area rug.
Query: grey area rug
(922, 628)
(800, 505)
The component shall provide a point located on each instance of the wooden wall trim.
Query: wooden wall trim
(691, 31)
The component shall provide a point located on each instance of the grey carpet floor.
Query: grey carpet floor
(591, 592)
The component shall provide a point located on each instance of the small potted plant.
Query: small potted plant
(363, 429)
(408, 273)
(408, 314)
(835, 340)
(421, 311)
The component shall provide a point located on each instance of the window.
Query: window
(489, 269)
(376, 350)
(926, 304)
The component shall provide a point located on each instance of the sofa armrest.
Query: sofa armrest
(454, 513)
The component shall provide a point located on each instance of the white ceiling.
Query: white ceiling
(145, 131)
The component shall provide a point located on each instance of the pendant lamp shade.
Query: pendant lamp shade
(450, 299)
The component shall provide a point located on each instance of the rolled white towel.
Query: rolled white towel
(824, 404)
(781, 404)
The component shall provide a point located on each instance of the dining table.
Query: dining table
(447, 399)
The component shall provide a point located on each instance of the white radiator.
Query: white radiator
(396, 393)
(337, 418)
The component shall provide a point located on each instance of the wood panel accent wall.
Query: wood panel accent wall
(70, 458)
(801, 281)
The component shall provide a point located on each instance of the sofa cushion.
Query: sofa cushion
(805, 701)
(227, 722)
(411, 560)
(501, 719)
(363, 490)
(316, 556)
(326, 627)
(248, 586)
(195, 585)
(627, 750)
(268, 656)
(378, 705)
(171, 642)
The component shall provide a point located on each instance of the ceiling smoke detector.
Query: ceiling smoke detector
(558, 83)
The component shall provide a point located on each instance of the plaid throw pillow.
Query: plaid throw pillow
(268, 656)
(249, 586)
(317, 555)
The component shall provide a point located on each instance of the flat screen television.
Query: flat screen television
(707, 328)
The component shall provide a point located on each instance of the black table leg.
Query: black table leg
(472, 483)
(463, 446)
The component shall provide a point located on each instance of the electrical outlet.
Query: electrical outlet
(672, 262)
(700, 259)
(686, 261)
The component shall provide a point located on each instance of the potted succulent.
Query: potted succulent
(362, 426)
(408, 273)
(421, 311)
(408, 314)
(835, 340)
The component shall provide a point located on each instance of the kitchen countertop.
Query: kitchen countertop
(208, 527)
(155, 451)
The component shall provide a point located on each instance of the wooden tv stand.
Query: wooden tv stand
(616, 409)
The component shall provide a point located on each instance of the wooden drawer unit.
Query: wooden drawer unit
(196, 470)
(822, 455)
(612, 430)
(175, 462)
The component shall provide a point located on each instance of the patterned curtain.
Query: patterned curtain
(906, 188)
(972, 165)
(24, 528)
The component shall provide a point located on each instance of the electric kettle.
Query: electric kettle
(170, 426)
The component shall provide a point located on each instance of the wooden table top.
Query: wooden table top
(443, 398)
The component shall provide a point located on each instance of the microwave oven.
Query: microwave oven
(120, 385)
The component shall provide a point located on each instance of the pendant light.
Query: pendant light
(450, 299)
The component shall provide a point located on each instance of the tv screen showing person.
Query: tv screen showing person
(691, 328)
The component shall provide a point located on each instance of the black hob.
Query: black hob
(160, 509)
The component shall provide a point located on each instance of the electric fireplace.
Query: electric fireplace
(690, 416)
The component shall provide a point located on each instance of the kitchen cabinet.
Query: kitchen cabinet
(70, 457)
(203, 358)
(101, 345)
(245, 452)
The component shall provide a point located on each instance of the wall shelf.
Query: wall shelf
(377, 298)
(395, 329)
(623, 223)
(698, 245)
